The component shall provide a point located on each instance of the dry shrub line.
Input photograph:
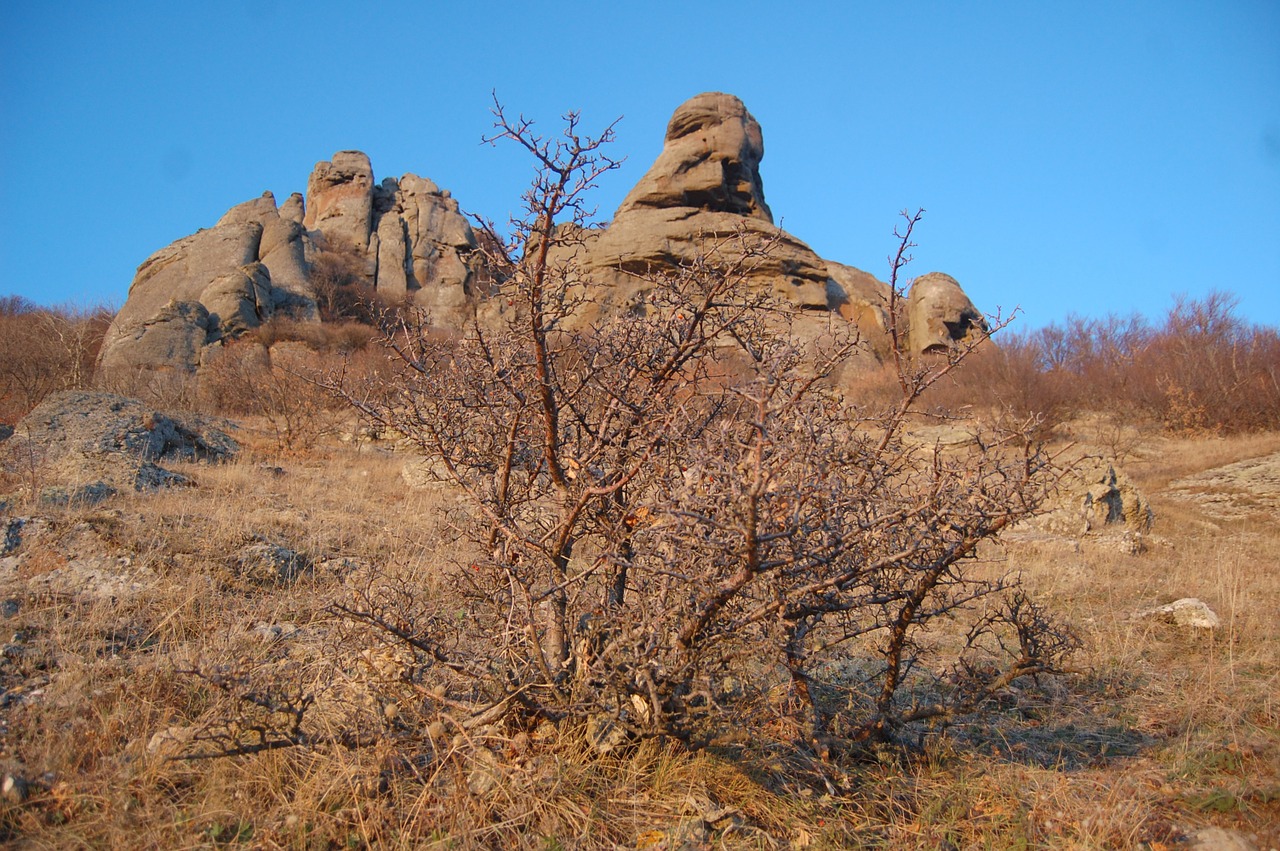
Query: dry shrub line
(43, 350)
(672, 514)
(1200, 370)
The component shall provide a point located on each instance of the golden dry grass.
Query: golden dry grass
(1162, 731)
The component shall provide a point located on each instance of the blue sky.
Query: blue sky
(1087, 157)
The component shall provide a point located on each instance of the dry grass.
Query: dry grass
(1162, 731)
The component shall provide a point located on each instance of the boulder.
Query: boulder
(294, 209)
(1188, 611)
(98, 443)
(173, 338)
(939, 314)
(237, 301)
(1097, 496)
(425, 250)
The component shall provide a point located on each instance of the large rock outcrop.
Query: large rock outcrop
(407, 241)
(705, 192)
(214, 284)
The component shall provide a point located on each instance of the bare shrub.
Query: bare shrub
(669, 514)
(1203, 369)
(277, 384)
(43, 350)
(337, 336)
(340, 279)
(1008, 380)
(1215, 372)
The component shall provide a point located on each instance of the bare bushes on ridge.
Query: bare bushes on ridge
(45, 349)
(283, 384)
(343, 290)
(1201, 369)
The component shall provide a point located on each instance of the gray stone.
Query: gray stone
(100, 578)
(940, 315)
(214, 284)
(1218, 839)
(237, 301)
(1095, 495)
(294, 208)
(1188, 611)
(90, 444)
(171, 339)
(406, 237)
(266, 563)
(703, 196)
(340, 199)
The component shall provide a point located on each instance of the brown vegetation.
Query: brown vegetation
(43, 350)
(1164, 730)
(1202, 369)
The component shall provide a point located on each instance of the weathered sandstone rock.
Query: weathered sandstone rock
(1189, 611)
(408, 239)
(425, 249)
(214, 284)
(710, 161)
(340, 199)
(940, 315)
(703, 195)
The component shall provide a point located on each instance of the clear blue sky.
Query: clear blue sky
(1091, 157)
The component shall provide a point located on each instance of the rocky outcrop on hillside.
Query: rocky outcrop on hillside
(83, 447)
(407, 240)
(1095, 495)
(705, 192)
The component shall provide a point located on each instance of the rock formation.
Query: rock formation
(1095, 496)
(407, 240)
(88, 446)
(705, 189)
(939, 314)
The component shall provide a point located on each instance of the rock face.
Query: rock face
(214, 284)
(424, 249)
(705, 193)
(710, 161)
(340, 199)
(407, 240)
